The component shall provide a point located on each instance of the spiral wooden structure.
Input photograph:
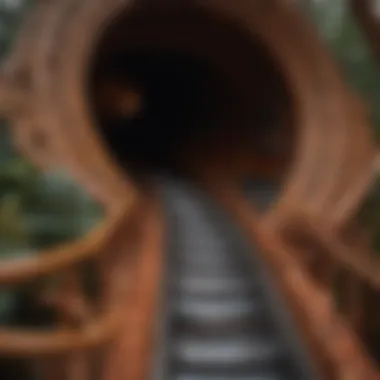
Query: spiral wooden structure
(63, 50)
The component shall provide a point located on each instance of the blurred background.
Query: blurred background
(40, 210)
(37, 210)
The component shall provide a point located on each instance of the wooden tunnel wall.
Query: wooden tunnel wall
(263, 60)
(245, 60)
(256, 67)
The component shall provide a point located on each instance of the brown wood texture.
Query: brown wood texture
(50, 261)
(333, 163)
(338, 351)
(315, 180)
(130, 357)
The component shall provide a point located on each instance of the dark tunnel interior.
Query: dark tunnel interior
(172, 87)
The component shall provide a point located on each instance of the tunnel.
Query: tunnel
(125, 90)
(174, 88)
(243, 89)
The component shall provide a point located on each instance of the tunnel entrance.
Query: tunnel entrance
(173, 88)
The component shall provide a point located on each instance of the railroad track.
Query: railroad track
(220, 316)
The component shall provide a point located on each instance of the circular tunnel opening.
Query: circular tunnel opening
(174, 89)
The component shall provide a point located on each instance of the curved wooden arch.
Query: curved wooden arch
(58, 259)
(43, 95)
(55, 100)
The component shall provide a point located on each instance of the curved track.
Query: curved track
(220, 316)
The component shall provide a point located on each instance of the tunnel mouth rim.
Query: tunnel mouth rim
(291, 41)
(297, 168)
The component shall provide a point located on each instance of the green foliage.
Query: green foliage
(341, 32)
(369, 215)
(12, 12)
(41, 209)
(36, 210)
(16, 176)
